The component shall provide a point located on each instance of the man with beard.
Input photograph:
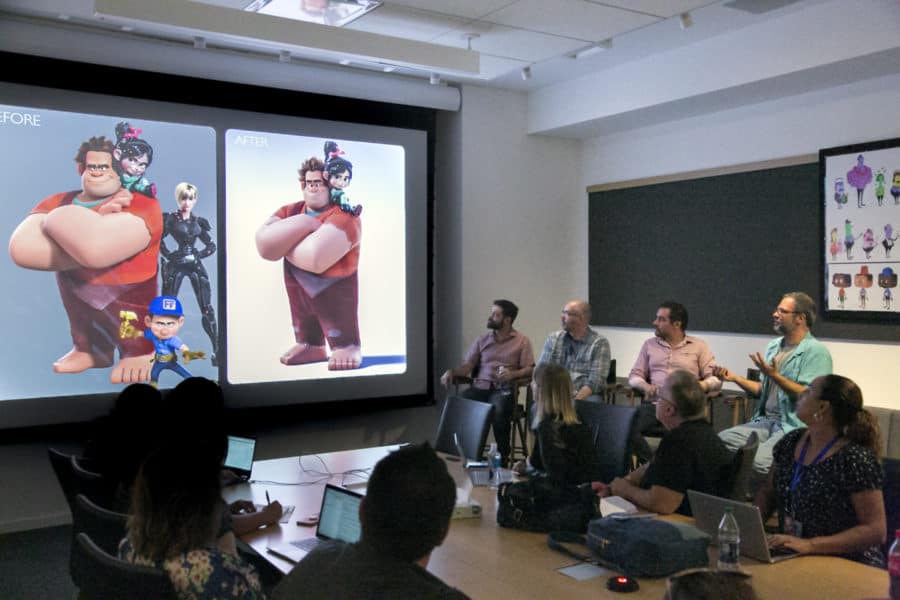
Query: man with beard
(497, 358)
(789, 365)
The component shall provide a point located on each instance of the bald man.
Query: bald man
(581, 350)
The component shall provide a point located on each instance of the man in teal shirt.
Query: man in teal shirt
(790, 364)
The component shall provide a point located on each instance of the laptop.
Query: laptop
(708, 511)
(479, 472)
(240, 456)
(338, 520)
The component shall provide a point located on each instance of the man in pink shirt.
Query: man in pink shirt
(668, 350)
(494, 361)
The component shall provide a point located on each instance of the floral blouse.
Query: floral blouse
(203, 574)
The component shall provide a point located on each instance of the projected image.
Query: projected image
(316, 266)
(84, 212)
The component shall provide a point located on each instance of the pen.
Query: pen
(267, 498)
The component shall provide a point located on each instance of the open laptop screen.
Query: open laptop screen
(339, 516)
(240, 455)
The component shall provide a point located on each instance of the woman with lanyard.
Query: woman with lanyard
(826, 480)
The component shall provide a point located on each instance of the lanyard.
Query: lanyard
(798, 466)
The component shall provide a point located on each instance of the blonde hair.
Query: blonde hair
(553, 395)
(183, 189)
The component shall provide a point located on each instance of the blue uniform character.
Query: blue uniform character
(165, 318)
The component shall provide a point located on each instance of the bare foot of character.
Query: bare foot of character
(76, 361)
(134, 369)
(343, 359)
(301, 354)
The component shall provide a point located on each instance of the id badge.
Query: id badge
(792, 526)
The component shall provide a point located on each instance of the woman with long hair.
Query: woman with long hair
(826, 479)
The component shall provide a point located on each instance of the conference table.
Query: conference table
(487, 561)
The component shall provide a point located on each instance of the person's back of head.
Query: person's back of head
(703, 584)
(408, 504)
(132, 432)
(687, 395)
(195, 412)
(175, 501)
(554, 395)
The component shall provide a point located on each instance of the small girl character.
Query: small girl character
(879, 185)
(835, 246)
(132, 157)
(339, 172)
(840, 194)
(868, 242)
(842, 297)
(849, 240)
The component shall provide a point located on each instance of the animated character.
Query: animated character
(862, 297)
(879, 186)
(842, 297)
(868, 243)
(320, 246)
(339, 172)
(889, 239)
(849, 240)
(859, 177)
(841, 281)
(186, 228)
(103, 243)
(895, 187)
(863, 280)
(133, 155)
(840, 195)
(164, 318)
(887, 279)
(835, 247)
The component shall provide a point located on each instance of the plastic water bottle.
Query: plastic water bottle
(894, 566)
(495, 462)
(729, 542)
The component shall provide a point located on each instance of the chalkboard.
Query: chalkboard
(726, 246)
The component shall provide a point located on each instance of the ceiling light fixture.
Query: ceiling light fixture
(435, 79)
(526, 73)
(344, 62)
(284, 56)
(603, 46)
(200, 43)
(469, 36)
(389, 68)
(685, 20)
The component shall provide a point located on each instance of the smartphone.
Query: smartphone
(309, 519)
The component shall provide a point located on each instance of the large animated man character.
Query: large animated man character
(103, 243)
(320, 246)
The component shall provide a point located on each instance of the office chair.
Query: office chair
(611, 427)
(105, 527)
(891, 492)
(101, 576)
(62, 467)
(470, 420)
(93, 485)
(743, 471)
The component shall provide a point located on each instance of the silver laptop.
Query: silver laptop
(338, 520)
(708, 511)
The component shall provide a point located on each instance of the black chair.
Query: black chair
(101, 576)
(105, 527)
(743, 470)
(62, 467)
(611, 428)
(470, 420)
(93, 485)
(891, 492)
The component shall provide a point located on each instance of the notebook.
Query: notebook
(479, 471)
(338, 520)
(708, 511)
(240, 456)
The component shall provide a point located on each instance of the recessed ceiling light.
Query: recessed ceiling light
(344, 61)
(434, 79)
(389, 69)
(127, 28)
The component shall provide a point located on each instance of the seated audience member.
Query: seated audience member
(706, 584)
(404, 516)
(583, 352)
(826, 479)
(122, 440)
(790, 363)
(564, 450)
(495, 361)
(196, 412)
(690, 456)
(175, 516)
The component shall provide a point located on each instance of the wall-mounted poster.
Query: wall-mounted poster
(861, 195)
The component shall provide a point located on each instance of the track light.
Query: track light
(526, 73)
(284, 56)
(200, 43)
(435, 79)
(606, 44)
(685, 20)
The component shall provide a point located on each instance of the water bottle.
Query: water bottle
(729, 542)
(894, 566)
(495, 461)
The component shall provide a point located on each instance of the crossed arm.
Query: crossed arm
(303, 241)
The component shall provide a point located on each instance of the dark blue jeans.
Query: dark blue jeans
(503, 401)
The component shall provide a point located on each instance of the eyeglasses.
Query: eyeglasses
(314, 184)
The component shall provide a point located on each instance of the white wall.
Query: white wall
(800, 125)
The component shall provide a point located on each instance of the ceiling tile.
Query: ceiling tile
(571, 18)
(509, 42)
(408, 23)
(660, 8)
(472, 9)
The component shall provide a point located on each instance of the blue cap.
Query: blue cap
(166, 305)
